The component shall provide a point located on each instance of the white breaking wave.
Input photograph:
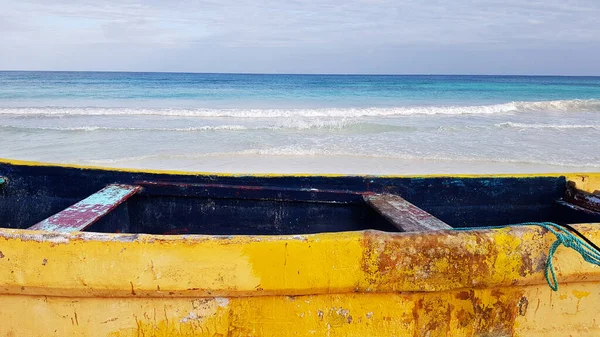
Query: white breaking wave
(591, 105)
(286, 124)
(547, 126)
(108, 128)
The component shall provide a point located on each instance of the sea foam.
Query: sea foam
(294, 123)
(547, 126)
(591, 105)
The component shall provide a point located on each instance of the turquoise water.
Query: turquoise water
(104, 89)
(307, 123)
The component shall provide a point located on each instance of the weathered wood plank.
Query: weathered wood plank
(581, 198)
(404, 215)
(89, 210)
(577, 208)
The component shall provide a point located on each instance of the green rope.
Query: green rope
(563, 237)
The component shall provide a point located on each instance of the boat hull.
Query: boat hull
(517, 311)
(291, 256)
(485, 282)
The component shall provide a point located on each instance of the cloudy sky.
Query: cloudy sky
(328, 36)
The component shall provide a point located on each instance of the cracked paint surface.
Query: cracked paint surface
(467, 283)
(468, 313)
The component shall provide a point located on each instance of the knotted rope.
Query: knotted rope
(587, 249)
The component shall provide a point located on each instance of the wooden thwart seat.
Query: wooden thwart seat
(583, 199)
(89, 210)
(404, 215)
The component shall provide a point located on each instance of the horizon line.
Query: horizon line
(299, 74)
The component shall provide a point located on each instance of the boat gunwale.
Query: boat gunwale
(366, 261)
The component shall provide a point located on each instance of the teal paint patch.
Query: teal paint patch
(454, 183)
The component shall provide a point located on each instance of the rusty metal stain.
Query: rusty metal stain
(89, 210)
(523, 305)
(449, 260)
(486, 312)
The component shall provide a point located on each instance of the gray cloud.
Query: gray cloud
(302, 36)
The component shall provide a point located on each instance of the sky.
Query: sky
(553, 37)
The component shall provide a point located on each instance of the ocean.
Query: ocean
(349, 124)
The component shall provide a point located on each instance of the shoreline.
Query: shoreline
(347, 165)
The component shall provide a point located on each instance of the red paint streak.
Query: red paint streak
(176, 231)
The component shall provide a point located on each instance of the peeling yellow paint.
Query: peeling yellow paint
(581, 294)
(507, 257)
(589, 182)
(505, 311)
(77, 264)
(462, 283)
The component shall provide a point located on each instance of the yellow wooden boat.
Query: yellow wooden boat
(94, 252)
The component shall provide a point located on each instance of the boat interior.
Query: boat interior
(66, 199)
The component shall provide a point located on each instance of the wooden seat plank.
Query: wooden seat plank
(577, 208)
(590, 201)
(89, 210)
(404, 215)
